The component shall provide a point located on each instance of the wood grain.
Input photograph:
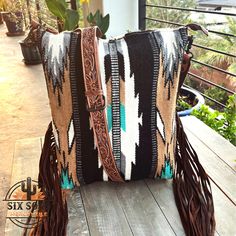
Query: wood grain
(142, 211)
(215, 142)
(104, 213)
(163, 193)
(25, 164)
(225, 213)
(77, 224)
(140, 207)
(217, 169)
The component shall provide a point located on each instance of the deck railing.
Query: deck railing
(39, 11)
(145, 18)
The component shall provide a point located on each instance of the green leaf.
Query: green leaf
(57, 8)
(71, 19)
(98, 17)
(105, 24)
(90, 18)
(78, 4)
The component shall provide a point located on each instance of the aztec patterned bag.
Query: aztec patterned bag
(113, 106)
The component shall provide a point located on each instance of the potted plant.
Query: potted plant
(13, 18)
(188, 101)
(29, 47)
(68, 18)
(30, 51)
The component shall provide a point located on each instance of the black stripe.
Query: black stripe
(141, 65)
(75, 105)
(120, 60)
(156, 61)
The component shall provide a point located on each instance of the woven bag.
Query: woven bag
(113, 107)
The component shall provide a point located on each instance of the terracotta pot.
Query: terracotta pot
(30, 53)
(14, 23)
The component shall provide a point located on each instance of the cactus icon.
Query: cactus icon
(28, 188)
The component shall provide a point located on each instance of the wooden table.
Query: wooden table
(141, 207)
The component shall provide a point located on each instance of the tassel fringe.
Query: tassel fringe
(192, 189)
(191, 186)
(54, 204)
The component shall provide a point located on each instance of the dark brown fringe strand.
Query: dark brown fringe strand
(192, 189)
(54, 204)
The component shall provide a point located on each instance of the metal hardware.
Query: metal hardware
(97, 108)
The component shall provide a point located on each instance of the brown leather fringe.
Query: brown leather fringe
(54, 204)
(192, 189)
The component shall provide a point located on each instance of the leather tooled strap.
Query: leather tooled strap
(96, 101)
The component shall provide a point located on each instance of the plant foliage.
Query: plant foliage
(222, 122)
(67, 16)
(220, 42)
(100, 21)
(182, 105)
(217, 94)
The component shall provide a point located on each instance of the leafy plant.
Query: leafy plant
(230, 118)
(100, 21)
(68, 18)
(13, 12)
(222, 122)
(220, 42)
(216, 93)
(182, 105)
(12, 6)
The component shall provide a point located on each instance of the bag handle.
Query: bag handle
(96, 101)
(187, 56)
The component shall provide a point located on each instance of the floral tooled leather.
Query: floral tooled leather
(96, 101)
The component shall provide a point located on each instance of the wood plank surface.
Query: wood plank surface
(163, 193)
(219, 145)
(140, 207)
(217, 169)
(77, 224)
(225, 213)
(142, 211)
(225, 210)
(104, 213)
(25, 164)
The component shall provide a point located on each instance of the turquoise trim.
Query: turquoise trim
(122, 117)
(66, 182)
(109, 117)
(167, 172)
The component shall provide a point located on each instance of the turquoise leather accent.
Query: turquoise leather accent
(122, 117)
(66, 182)
(109, 117)
(167, 172)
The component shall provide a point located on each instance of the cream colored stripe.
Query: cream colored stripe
(101, 56)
